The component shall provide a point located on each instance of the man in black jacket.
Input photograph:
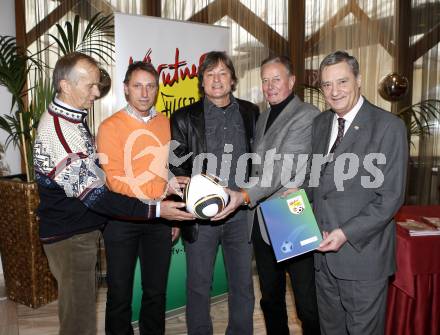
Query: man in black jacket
(220, 127)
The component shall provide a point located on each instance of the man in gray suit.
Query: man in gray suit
(356, 193)
(282, 141)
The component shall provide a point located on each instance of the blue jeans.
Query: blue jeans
(200, 258)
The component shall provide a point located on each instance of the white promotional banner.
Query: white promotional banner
(175, 48)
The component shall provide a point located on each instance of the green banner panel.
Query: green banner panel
(176, 291)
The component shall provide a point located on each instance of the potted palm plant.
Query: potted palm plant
(27, 276)
(420, 117)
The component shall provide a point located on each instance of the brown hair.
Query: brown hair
(147, 67)
(212, 58)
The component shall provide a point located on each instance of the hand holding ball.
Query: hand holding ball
(205, 197)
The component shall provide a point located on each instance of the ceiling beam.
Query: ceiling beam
(246, 18)
(424, 44)
(253, 24)
(417, 23)
(152, 8)
(20, 24)
(206, 15)
(297, 20)
(53, 17)
(327, 26)
(403, 65)
(372, 26)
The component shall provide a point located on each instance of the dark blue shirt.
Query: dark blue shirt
(225, 139)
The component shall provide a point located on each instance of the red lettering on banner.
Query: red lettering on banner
(186, 73)
(179, 69)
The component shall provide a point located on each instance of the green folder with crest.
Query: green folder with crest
(291, 225)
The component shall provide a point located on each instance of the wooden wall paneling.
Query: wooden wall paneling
(206, 15)
(297, 22)
(20, 23)
(53, 17)
(402, 62)
(258, 28)
(423, 45)
(247, 19)
(152, 8)
(372, 26)
(326, 27)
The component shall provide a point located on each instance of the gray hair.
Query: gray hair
(284, 60)
(64, 68)
(339, 57)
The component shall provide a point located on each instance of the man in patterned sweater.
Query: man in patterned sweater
(74, 202)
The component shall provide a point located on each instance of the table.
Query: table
(414, 292)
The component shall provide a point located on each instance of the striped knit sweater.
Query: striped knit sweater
(73, 196)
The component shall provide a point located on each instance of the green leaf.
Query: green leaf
(59, 44)
(75, 30)
(70, 37)
(65, 40)
(95, 41)
(420, 117)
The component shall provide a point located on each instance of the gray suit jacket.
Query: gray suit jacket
(289, 134)
(365, 214)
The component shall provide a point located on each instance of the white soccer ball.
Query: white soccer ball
(204, 196)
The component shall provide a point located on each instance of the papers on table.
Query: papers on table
(426, 228)
(432, 221)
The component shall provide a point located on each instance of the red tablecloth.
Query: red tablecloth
(414, 293)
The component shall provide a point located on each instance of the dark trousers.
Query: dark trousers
(355, 307)
(272, 277)
(124, 243)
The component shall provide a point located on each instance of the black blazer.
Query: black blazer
(188, 129)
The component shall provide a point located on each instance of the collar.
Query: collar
(280, 106)
(349, 117)
(144, 119)
(208, 104)
(65, 111)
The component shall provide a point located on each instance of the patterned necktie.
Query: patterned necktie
(341, 124)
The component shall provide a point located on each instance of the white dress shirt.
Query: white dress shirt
(349, 117)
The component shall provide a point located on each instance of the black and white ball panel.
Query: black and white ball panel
(208, 206)
(204, 196)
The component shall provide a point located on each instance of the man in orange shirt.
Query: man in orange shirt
(134, 145)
